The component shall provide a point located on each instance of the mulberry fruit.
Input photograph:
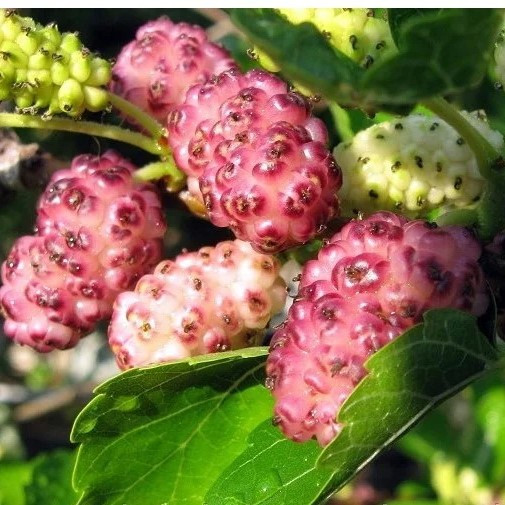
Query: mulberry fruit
(411, 165)
(370, 283)
(97, 233)
(256, 158)
(155, 70)
(42, 68)
(217, 299)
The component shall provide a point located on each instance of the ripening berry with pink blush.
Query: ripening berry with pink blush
(98, 232)
(256, 158)
(371, 282)
(216, 299)
(165, 59)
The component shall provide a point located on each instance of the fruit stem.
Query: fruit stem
(11, 120)
(487, 156)
(148, 123)
(173, 178)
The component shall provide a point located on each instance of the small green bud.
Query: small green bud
(39, 61)
(54, 104)
(10, 28)
(11, 50)
(7, 69)
(51, 34)
(21, 75)
(49, 48)
(80, 67)
(28, 41)
(70, 96)
(5, 91)
(24, 99)
(39, 78)
(59, 73)
(70, 42)
(96, 99)
(100, 72)
(45, 95)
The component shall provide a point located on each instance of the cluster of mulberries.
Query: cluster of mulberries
(155, 70)
(256, 158)
(355, 32)
(41, 68)
(370, 283)
(97, 232)
(411, 165)
(216, 299)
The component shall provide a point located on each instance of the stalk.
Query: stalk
(11, 120)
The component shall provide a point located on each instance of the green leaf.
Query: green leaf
(273, 470)
(407, 378)
(439, 53)
(164, 434)
(13, 477)
(303, 53)
(51, 481)
(398, 17)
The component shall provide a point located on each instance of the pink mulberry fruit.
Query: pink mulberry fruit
(155, 70)
(97, 232)
(217, 299)
(256, 158)
(370, 283)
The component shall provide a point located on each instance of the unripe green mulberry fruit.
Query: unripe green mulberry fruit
(411, 165)
(42, 68)
(354, 32)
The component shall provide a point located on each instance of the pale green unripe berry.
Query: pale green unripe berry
(48, 47)
(100, 72)
(59, 73)
(96, 99)
(39, 78)
(51, 34)
(45, 96)
(7, 69)
(21, 75)
(41, 60)
(24, 99)
(10, 28)
(80, 67)
(40, 67)
(411, 165)
(28, 41)
(5, 91)
(12, 51)
(70, 43)
(70, 96)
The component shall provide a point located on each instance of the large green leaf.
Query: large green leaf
(303, 53)
(398, 17)
(407, 378)
(51, 481)
(440, 51)
(273, 470)
(164, 434)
